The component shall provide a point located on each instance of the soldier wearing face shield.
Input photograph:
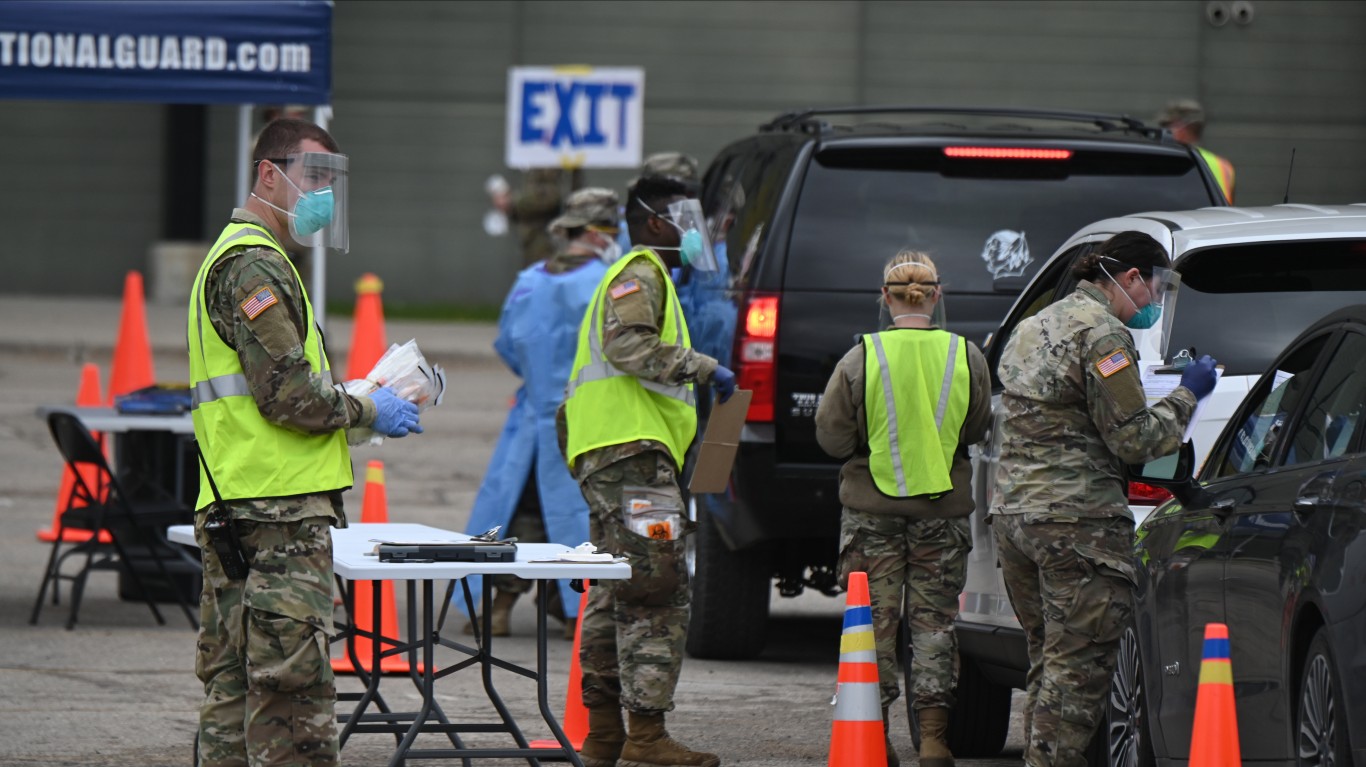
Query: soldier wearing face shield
(628, 419)
(271, 432)
(1073, 414)
(527, 488)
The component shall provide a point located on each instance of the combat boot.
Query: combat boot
(934, 744)
(648, 745)
(501, 616)
(606, 736)
(892, 760)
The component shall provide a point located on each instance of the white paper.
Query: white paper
(1158, 386)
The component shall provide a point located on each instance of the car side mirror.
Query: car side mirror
(1175, 472)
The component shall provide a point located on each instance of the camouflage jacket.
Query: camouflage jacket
(631, 342)
(1073, 412)
(270, 347)
(842, 431)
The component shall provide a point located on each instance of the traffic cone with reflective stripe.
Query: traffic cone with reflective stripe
(88, 395)
(367, 332)
(374, 508)
(1214, 739)
(132, 368)
(858, 739)
(575, 721)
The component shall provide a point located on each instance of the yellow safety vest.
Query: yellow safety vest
(251, 457)
(916, 392)
(1222, 170)
(605, 406)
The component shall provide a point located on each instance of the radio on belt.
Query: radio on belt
(462, 551)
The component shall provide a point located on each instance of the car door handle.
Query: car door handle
(1306, 504)
(1222, 507)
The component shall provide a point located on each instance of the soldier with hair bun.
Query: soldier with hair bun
(902, 406)
(1073, 413)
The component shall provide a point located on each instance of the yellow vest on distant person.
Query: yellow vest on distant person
(605, 406)
(916, 391)
(1222, 170)
(249, 456)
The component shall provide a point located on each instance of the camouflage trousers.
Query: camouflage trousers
(1070, 580)
(926, 559)
(262, 655)
(631, 647)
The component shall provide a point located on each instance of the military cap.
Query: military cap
(589, 206)
(1185, 111)
(676, 164)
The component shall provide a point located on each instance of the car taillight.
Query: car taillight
(1143, 494)
(756, 354)
(1006, 153)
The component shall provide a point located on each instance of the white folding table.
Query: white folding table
(353, 561)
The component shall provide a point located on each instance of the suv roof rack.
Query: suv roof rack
(801, 119)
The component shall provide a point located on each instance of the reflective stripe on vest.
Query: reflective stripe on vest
(607, 406)
(924, 370)
(251, 457)
(1222, 170)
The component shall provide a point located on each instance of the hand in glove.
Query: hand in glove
(1199, 376)
(394, 417)
(724, 382)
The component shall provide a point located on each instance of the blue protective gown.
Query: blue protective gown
(537, 337)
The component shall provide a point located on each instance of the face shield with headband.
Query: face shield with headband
(318, 214)
(1157, 315)
(693, 245)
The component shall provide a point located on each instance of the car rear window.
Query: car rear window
(989, 224)
(1243, 304)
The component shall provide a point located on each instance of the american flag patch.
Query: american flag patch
(625, 289)
(263, 300)
(1113, 363)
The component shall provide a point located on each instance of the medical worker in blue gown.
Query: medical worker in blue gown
(527, 488)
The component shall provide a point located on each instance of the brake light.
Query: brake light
(757, 356)
(1143, 494)
(1006, 153)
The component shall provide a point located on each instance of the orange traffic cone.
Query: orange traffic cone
(1214, 740)
(88, 395)
(858, 739)
(575, 721)
(132, 368)
(367, 333)
(374, 508)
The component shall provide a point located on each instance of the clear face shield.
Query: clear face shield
(1166, 285)
(693, 245)
(318, 215)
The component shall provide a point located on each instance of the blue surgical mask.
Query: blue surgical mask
(690, 246)
(1145, 317)
(313, 211)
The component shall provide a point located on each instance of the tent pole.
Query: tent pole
(243, 153)
(322, 115)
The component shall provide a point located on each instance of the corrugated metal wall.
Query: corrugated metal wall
(420, 88)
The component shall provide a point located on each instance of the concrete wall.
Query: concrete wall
(419, 105)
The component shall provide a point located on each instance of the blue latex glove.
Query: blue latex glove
(394, 417)
(1199, 376)
(724, 382)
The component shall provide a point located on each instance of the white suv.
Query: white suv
(1251, 280)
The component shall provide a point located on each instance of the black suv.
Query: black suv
(812, 206)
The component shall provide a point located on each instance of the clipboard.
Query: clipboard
(1158, 384)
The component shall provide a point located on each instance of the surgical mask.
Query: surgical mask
(690, 246)
(312, 210)
(609, 253)
(1143, 318)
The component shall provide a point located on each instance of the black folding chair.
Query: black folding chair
(135, 528)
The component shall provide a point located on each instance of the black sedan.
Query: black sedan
(1267, 537)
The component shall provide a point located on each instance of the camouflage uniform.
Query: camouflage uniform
(631, 647)
(262, 649)
(918, 544)
(533, 208)
(1073, 415)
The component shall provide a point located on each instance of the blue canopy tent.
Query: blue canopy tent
(203, 52)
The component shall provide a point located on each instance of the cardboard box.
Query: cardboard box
(714, 459)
